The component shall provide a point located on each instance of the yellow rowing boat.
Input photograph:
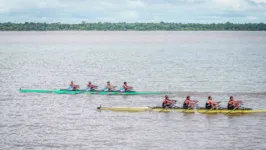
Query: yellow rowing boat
(159, 109)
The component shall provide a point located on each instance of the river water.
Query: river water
(198, 64)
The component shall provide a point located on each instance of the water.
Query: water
(198, 64)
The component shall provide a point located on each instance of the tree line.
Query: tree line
(106, 26)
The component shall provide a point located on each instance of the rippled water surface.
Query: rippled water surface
(198, 64)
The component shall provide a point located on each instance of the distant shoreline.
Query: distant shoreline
(162, 26)
(129, 30)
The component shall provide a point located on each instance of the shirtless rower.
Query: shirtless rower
(167, 103)
(234, 104)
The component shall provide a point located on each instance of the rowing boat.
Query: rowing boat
(99, 92)
(201, 110)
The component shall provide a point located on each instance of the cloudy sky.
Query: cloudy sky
(75, 11)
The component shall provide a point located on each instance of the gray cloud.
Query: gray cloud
(69, 11)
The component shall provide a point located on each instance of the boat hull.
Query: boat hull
(204, 111)
(35, 91)
(63, 91)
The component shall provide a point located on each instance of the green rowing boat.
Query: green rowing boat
(99, 92)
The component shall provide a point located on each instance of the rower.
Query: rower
(210, 104)
(91, 87)
(234, 104)
(125, 87)
(188, 103)
(108, 87)
(167, 103)
(72, 86)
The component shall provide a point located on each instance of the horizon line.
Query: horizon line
(161, 22)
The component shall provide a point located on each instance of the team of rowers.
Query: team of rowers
(167, 103)
(210, 104)
(108, 87)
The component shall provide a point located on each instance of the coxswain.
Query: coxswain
(210, 104)
(91, 87)
(167, 103)
(188, 103)
(234, 104)
(108, 87)
(125, 87)
(72, 86)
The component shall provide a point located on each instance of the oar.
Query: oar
(190, 108)
(113, 88)
(184, 111)
(162, 109)
(208, 110)
(234, 109)
(230, 111)
(88, 92)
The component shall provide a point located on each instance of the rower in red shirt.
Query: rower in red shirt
(91, 87)
(72, 86)
(125, 87)
(167, 103)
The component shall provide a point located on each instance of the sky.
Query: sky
(184, 11)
